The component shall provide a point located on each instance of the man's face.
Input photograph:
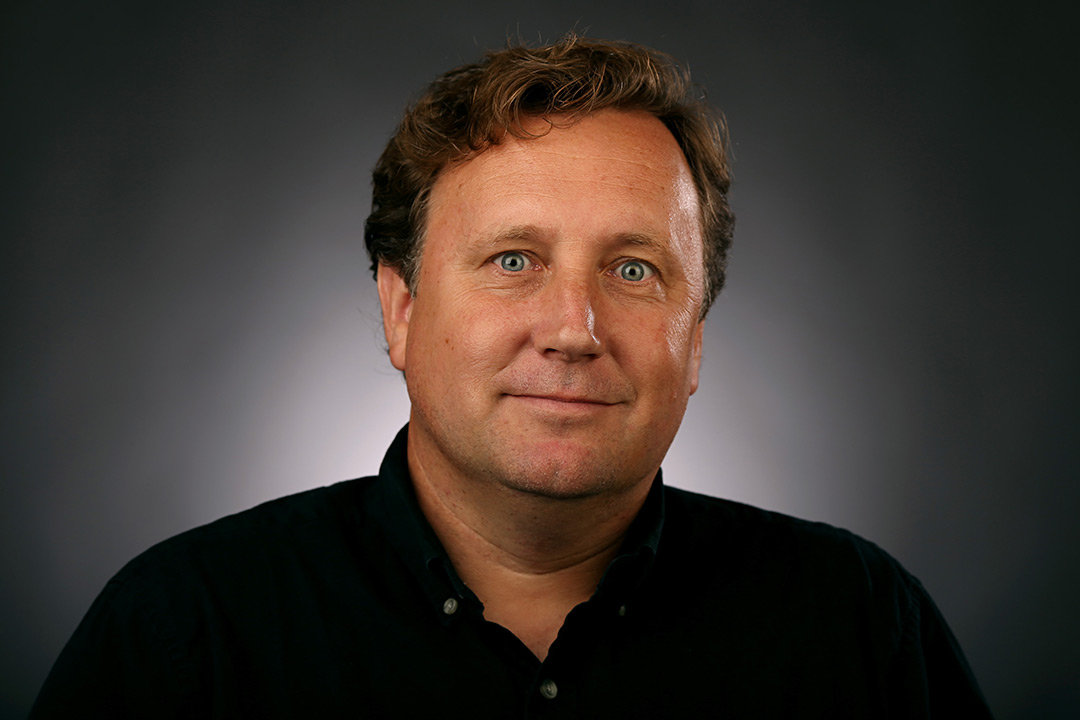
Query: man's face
(553, 340)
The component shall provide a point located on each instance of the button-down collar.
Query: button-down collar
(419, 548)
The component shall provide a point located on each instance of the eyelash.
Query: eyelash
(497, 261)
(651, 271)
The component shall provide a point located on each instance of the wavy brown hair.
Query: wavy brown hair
(470, 108)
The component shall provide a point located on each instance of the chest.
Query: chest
(731, 654)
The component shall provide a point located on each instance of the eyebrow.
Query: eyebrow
(513, 233)
(644, 240)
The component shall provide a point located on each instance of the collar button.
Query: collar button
(548, 689)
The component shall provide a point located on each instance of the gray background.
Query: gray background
(190, 328)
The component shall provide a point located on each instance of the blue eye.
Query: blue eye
(512, 261)
(635, 271)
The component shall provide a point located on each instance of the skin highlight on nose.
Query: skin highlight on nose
(567, 326)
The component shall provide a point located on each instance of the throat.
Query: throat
(534, 621)
(534, 605)
(529, 560)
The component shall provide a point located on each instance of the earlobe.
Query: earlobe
(695, 356)
(396, 301)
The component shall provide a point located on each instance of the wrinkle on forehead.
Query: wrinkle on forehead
(650, 172)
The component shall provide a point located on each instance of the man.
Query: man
(549, 229)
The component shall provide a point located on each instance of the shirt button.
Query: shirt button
(450, 606)
(548, 689)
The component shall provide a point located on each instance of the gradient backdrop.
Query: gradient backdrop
(190, 327)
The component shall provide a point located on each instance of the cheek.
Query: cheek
(488, 342)
(671, 360)
(680, 336)
(649, 354)
(470, 333)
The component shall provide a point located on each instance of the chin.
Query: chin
(564, 478)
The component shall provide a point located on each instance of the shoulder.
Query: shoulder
(806, 602)
(155, 632)
(727, 519)
(746, 541)
(302, 523)
(233, 573)
(806, 584)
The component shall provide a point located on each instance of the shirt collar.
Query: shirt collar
(412, 537)
(629, 568)
(426, 559)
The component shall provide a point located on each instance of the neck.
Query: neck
(530, 559)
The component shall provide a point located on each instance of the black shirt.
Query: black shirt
(340, 602)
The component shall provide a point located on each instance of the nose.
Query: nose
(565, 325)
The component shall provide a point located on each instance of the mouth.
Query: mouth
(563, 399)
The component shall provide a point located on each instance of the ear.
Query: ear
(695, 356)
(396, 301)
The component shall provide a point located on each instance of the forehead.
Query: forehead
(610, 172)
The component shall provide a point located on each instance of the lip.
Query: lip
(563, 399)
(561, 407)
